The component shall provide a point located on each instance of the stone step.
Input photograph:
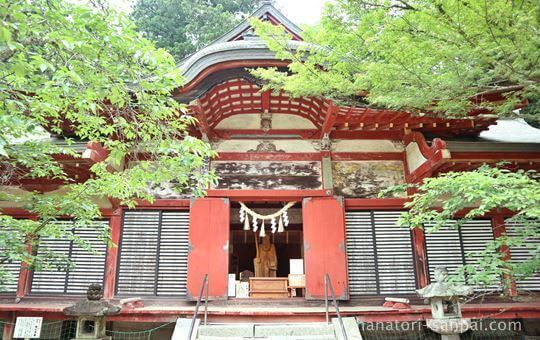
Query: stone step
(308, 331)
(313, 337)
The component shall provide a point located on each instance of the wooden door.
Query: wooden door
(209, 247)
(324, 246)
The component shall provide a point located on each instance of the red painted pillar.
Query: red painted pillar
(25, 275)
(324, 246)
(7, 334)
(209, 226)
(499, 229)
(420, 257)
(115, 225)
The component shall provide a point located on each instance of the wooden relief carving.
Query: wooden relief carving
(365, 179)
(264, 175)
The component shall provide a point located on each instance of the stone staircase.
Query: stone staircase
(284, 331)
(274, 331)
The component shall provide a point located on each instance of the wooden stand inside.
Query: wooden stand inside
(268, 287)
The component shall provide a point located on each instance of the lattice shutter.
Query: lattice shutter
(153, 253)
(138, 252)
(89, 267)
(361, 253)
(173, 255)
(443, 249)
(379, 252)
(449, 247)
(394, 254)
(521, 254)
(13, 268)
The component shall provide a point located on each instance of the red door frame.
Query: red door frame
(209, 247)
(324, 246)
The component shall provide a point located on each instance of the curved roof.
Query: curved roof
(255, 49)
(267, 11)
(240, 43)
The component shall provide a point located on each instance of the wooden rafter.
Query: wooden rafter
(329, 119)
(203, 125)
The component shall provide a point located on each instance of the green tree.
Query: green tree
(184, 26)
(84, 73)
(476, 193)
(417, 55)
(444, 58)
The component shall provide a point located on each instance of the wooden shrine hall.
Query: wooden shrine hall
(296, 201)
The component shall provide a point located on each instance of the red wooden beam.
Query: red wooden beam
(202, 119)
(420, 257)
(25, 277)
(375, 203)
(249, 63)
(9, 327)
(95, 152)
(499, 229)
(111, 267)
(329, 119)
(169, 204)
(265, 101)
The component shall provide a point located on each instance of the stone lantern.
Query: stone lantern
(91, 314)
(445, 307)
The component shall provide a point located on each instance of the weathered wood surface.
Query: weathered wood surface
(268, 175)
(365, 179)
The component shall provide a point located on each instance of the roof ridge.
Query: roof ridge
(267, 7)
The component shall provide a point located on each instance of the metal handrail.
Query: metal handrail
(196, 312)
(328, 283)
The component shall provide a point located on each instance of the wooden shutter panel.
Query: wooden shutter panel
(475, 235)
(448, 247)
(53, 281)
(138, 253)
(153, 253)
(362, 264)
(443, 249)
(379, 253)
(173, 253)
(394, 254)
(521, 254)
(88, 267)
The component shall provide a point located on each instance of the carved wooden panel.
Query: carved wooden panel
(365, 179)
(260, 175)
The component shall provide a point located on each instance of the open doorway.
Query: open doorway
(288, 246)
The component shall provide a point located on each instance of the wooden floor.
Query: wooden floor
(240, 310)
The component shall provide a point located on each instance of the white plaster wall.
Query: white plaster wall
(414, 157)
(252, 121)
(367, 145)
(243, 145)
(305, 145)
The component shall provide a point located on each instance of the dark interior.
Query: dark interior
(289, 244)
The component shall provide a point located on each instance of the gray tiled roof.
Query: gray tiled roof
(223, 49)
(229, 51)
(512, 131)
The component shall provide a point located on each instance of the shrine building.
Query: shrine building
(296, 201)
